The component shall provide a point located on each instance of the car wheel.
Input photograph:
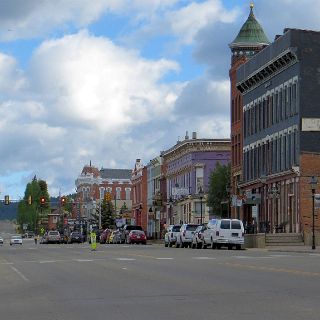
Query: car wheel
(166, 244)
(229, 246)
(193, 245)
(199, 245)
(238, 247)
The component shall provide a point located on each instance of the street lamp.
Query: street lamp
(313, 183)
(201, 194)
(169, 203)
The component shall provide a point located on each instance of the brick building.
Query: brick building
(250, 40)
(139, 195)
(281, 127)
(92, 184)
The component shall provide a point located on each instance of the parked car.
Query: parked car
(16, 239)
(125, 232)
(137, 236)
(170, 238)
(115, 236)
(1, 240)
(224, 232)
(184, 238)
(76, 236)
(53, 237)
(104, 237)
(197, 239)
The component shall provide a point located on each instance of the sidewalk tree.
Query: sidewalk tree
(218, 181)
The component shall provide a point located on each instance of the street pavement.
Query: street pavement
(143, 282)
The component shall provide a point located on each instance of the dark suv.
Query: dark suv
(125, 232)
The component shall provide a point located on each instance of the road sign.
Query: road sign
(317, 200)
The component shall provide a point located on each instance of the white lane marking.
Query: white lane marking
(83, 260)
(125, 259)
(280, 255)
(249, 257)
(314, 254)
(204, 258)
(6, 263)
(32, 248)
(164, 258)
(124, 268)
(47, 261)
(20, 274)
(126, 246)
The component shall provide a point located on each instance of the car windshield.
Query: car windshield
(16, 237)
(53, 233)
(191, 227)
(176, 229)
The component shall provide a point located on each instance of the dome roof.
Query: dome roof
(250, 34)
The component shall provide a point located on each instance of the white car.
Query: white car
(1, 240)
(184, 239)
(170, 238)
(197, 239)
(224, 232)
(16, 239)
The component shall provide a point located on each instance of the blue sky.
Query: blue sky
(111, 81)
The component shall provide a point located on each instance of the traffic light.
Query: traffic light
(107, 196)
(6, 200)
(30, 200)
(42, 201)
(63, 201)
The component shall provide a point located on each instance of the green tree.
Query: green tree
(217, 194)
(107, 214)
(30, 213)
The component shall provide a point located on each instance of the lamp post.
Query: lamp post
(313, 183)
(201, 194)
(170, 210)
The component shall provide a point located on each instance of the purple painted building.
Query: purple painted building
(188, 165)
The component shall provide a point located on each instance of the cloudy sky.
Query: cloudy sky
(115, 80)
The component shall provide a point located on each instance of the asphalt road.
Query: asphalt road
(152, 282)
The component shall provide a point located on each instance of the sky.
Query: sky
(111, 81)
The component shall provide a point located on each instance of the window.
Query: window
(225, 224)
(101, 192)
(118, 193)
(235, 225)
(128, 194)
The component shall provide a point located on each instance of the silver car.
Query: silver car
(16, 239)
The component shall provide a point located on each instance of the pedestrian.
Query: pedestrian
(35, 239)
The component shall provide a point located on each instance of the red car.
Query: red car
(137, 236)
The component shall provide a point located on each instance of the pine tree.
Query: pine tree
(107, 214)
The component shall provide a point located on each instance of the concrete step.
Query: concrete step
(286, 239)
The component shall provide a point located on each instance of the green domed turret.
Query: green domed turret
(251, 37)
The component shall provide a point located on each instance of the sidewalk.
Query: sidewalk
(295, 249)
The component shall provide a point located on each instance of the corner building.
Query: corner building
(281, 128)
(250, 40)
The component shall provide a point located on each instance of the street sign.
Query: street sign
(254, 211)
(317, 200)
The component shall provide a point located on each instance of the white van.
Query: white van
(224, 232)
